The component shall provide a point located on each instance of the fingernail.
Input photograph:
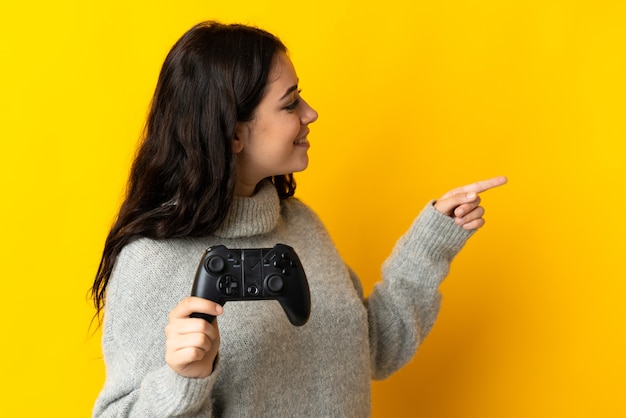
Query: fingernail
(471, 195)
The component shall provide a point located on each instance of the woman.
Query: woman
(226, 130)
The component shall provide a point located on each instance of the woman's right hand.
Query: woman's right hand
(192, 343)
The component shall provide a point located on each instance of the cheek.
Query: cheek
(282, 133)
(275, 134)
(293, 127)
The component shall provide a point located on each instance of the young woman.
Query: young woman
(226, 130)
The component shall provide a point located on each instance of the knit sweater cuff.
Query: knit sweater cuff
(178, 395)
(432, 236)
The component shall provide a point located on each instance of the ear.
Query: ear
(240, 134)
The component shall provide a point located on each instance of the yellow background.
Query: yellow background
(415, 98)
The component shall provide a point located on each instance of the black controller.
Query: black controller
(254, 274)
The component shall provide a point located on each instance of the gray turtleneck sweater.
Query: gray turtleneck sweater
(268, 367)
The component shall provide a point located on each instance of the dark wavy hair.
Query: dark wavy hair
(183, 177)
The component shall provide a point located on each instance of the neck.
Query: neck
(245, 189)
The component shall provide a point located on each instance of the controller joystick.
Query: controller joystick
(254, 274)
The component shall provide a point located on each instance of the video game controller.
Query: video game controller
(254, 274)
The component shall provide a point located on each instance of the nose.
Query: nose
(307, 114)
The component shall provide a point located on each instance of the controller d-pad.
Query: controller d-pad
(228, 285)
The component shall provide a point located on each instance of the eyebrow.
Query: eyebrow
(289, 91)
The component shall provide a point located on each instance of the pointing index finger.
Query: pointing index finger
(479, 186)
(484, 185)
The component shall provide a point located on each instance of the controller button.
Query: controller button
(232, 260)
(253, 290)
(275, 283)
(283, 261)
(215, 264)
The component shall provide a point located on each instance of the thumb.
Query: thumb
(447, 204)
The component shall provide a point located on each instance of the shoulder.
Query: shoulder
(146, 251)
(142, 255)
(301, 216)
(303, 223)
(295, 208)
(155, 264)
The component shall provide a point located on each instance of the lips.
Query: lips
(302, 139)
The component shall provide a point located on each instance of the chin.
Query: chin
(302, 166)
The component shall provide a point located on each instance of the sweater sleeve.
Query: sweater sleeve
(138, 301)
(403, 307)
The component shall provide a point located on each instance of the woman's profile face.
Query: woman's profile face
(275, 141)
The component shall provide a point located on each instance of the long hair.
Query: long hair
(182, 180)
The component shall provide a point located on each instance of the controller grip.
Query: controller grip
(206, 317)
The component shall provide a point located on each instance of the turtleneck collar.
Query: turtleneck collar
(255, 215)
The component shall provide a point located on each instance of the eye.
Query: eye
(294, 105)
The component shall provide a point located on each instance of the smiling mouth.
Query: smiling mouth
(303, 139)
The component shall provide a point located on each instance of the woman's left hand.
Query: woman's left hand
(462, 203)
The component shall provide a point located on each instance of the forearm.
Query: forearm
(404, 306)
(161, 393)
